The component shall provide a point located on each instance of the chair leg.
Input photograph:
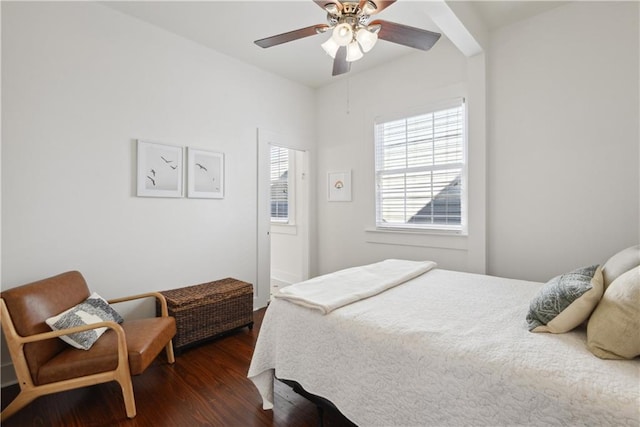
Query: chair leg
(170, 357)
(21, 400)
(127, 395)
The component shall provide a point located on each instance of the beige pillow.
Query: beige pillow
(620, 263)
(613, 331)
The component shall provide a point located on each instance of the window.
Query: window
(420, 170)
(279, 184)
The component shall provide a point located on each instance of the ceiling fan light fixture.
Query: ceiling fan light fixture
(353, 52)
(332, 9)
(368, 8)
(367, 39)
(343, 34)
(331, 47)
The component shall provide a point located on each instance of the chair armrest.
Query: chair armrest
(58, 333)
(16, 342)
(157, 295)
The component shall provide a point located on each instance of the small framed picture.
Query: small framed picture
(339, 186)
(159, 170)
(205, 174)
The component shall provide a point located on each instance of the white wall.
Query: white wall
(81, 82)
(563, 139)
(345, 142)
(562, 154)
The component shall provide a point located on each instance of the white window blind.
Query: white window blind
(279, 184)
(419, 170)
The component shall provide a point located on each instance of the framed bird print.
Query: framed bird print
(160, 170)
(205, 174)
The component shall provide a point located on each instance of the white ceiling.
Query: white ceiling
(230, 27)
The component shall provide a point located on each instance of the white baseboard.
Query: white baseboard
(7, 375)
(279, 283)
(284, 278)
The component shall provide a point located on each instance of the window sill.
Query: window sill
(420, 238)
(290, 229)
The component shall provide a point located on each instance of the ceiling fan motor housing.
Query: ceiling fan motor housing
(349, 8)
(350, 13)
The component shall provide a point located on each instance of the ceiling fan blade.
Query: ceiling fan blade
(323, 3)
(291, 35)
(340, 64)
(405, 35)
(380, 5)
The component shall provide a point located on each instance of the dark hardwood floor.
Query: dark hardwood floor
(207, 386)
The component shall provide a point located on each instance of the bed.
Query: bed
(443, 348)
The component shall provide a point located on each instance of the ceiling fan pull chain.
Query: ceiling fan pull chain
(348, 96)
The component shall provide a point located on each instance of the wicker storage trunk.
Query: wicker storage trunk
(207, 310)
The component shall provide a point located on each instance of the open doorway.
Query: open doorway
(287, 208)
(283, 215)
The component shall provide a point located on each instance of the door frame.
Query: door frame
(265, 139)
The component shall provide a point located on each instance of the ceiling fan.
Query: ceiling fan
(353, 32)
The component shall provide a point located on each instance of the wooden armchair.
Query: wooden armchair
(45, 364)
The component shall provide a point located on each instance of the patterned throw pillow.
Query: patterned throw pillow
(92, 310)
(566, 301)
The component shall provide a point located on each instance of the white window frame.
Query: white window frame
(458, 229)
(290, 220)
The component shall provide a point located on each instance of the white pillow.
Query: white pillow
(620, 263)
(566, 301)
(92, 310)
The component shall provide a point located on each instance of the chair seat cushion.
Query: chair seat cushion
(145, 340)
(142, 349)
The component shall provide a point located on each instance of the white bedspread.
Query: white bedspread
(444, 349)
(331, 291)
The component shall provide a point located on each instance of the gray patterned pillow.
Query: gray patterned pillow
(566, 301)
(92, 310)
